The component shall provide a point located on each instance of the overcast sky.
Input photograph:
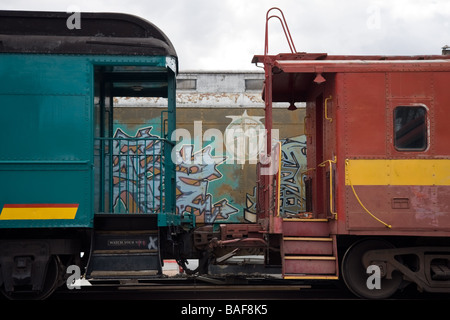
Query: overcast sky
(225, 34)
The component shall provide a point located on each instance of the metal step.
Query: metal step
(308, 251)
(309, 265)
(119, 254)
(310, 277)
(305, 227)
(307, 246)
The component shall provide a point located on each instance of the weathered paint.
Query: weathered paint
(47, 154)
(361, 159)
(224, 190)
(221, 191)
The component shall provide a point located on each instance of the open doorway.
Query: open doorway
(133, 174)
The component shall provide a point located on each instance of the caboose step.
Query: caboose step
(310, 277)
(310, 265)
(305, 227)
(308, 250)
(307, 246)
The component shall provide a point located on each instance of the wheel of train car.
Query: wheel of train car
(355, 274)
(50, 285)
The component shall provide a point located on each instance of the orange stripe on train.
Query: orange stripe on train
(39, 211)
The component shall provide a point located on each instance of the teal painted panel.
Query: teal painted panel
(44, 75)
(47, 131)
(150, 63)
(46, 108)
(45, 127)
(45, 183)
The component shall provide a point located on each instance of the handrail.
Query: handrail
(326, 109)
(130, 175)
(135, 139)
(287, 33)
(331, 183)
(279, 179)
(361, 204)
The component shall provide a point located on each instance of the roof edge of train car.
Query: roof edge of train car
(96, 33)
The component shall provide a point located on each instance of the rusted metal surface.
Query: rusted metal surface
(306, 227)
(310, 265)
(378, 164)
(307, 246)
(293, 74)
(351, 106)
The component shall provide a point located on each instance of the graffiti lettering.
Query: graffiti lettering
(137, 167)
(292, 186)
(293, 165)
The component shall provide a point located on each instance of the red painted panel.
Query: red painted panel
(365, 114)
(404, 207)
(306, 228)
(308, 247)
(309, 266)
(441, 113)
(410, 84)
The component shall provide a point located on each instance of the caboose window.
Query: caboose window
(410, 129)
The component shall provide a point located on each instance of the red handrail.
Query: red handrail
(287, 33)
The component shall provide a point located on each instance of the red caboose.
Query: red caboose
(378, 178)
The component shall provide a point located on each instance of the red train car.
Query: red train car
(378, 178)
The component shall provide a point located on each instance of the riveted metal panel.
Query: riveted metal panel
(46, 154)
(47, 123)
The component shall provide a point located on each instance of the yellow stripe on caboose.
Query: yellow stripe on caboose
(38, 211)
(397, 172)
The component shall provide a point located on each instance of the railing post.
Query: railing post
(169, 170)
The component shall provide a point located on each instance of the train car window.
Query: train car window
(410, 128)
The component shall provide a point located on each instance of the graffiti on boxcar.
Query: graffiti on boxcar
(195, 171)
(293, 167)
(136, 168)
(292, 186)
(137, 173)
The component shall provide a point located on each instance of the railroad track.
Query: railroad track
(199, 290)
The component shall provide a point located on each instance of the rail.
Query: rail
(268, 172)
(330, 163)
(285, 27)
(326, 109)
(130, 174)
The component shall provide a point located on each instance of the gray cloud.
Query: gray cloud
(225, 34)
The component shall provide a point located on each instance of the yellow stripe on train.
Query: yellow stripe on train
(38, 211)
(398, 172)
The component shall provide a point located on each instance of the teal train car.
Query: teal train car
(60, 72)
